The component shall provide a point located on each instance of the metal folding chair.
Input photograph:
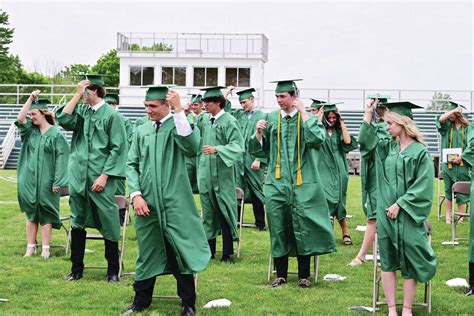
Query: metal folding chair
(461, 187)
(377, 279)
(241, 200)
(272, 270)
(195, 276)
(63, 193)
(441, 197)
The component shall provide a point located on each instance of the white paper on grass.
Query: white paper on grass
(450, 243)
(457, 282)
(334, 277)
(371, 257)
(451, 151)
(361, 228)
(222, 302)
(363, 308)
(4, 299)
(349, 216)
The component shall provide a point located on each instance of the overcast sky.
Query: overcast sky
(331, 44)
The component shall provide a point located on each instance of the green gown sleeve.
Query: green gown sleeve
(189, 145)
(442, 127)
(259, 150)
(314, 132)
(24, 129)
(128, 130)
(115, 162)
(468, 153)
(231, 153)
(349, 147)
(132, 168)
(68, 121)
(370, 141)
(61, 152)
(419, 195)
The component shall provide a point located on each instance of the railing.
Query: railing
(7, 145)
(200, 44)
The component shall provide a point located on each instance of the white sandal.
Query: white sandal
(45, 251)
(28, 253)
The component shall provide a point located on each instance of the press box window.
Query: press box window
(174, 76)
(205, 77)
(238, 77)
(141, 76)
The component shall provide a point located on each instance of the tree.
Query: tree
(439, 102)
(9, 64)
(157, 47)
(71, 74)
(109, 65)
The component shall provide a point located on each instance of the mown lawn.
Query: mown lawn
(35, 286)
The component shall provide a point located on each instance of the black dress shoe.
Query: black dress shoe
(261, 228)
(187, 311)
(227, 259)
(213, 256)
(470, 291)
(113, 278)
(74, 276)
(278, 282)
(303, 283)
(132, 310)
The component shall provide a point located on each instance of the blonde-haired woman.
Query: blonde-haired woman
(454, 128)
(405, 180)
(42, 170)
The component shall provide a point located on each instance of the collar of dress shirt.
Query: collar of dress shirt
(221, 112)
(97, 106)
(293, 113)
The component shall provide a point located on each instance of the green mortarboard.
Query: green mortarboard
(454, 105)
(195, 98)
(285, 85)
(331, 107)
(40, 104)
(245, 94)
(381, 98)
(112, 98)
(212, 92)
(403, 108)
(94, 79)
(156, 92)
(317, 104)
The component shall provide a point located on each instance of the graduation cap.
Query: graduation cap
(195, 98)
(330, 107)
(156, 92)
(245, 94)
(382, 99)
(286, 85)
(112, 98)
(212, 92)
(403, 108)
(40, 104)
(317, 104)
(94, 79)
(454, 105)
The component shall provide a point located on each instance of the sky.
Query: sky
(330, 44)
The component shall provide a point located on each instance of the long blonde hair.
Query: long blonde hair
(408, 124)
(461, 119)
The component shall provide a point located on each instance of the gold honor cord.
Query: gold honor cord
(450, 165)
(299, 177)
(277, 168)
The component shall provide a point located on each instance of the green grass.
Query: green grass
(36, 286)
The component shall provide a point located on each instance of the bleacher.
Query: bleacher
(424, 120)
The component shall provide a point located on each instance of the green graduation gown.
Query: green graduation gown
(42, 166)
(468, 157)
(457, 172)
(98, 146)
(405, 178)
(298, 215)
(140, 121)
(196, 122)
(368, 175)
(246, 177)
(129, 131)
(216, 179)
(334, 169)
(156, 167)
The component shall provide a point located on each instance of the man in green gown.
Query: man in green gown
(453, 128)
(96, 163)
(113, 100)
(405, 182)
(297, 211)
(221, 148)
(250, 170)
(171, 238)
(333, 166)
(468, 158)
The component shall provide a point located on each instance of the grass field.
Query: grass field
(36, 286)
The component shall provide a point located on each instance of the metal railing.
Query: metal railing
(199, 44)
(7, 145)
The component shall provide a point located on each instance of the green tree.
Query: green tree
(439, 102)
(109, 65)
(9, 64)
(157, 47)
(71, 74)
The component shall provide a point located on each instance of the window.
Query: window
(238, 77)
(173, 75)
(204, 77)
(141, 76)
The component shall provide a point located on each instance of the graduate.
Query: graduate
(42, 171)
(96, 163)
(112, 99)
(297, 211)
(405, 182)
(453, 128)
(316, 105)
(468, 158)
(369, 178)
(222, 148)
(250, 170)
(333, 166)
(171, 238)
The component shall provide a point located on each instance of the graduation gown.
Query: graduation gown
(334, 169)
(298, 215)
(247, 178)
(156, 167)
(468, 157)
(191, 163)
(216, 179)
(457, 172)
(368, 175)
(405, 178)
(42, 166)
(140, 121)
(98, 146)
(129, 131)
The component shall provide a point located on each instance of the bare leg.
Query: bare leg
(346, 240)
(449, 207)
(409, 292)
(462, 209)
(45, 239)
(369, 237)
(389, 287)
(31, 231)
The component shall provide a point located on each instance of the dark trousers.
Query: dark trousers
(185, 283)
(471, 273)
(281, 265)
(227, 242)
(258, 210)
(78, 247)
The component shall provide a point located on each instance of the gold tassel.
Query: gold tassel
(277, 172)
(299, 176)
(277, 168)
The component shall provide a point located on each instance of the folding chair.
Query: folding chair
(176, 296)
(241, 200)
(441, 197)
(64, 192)
(461, 187)
(376, 285)
(272, 270)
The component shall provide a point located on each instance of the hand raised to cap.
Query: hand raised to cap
(174, 100)
(81, 86)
